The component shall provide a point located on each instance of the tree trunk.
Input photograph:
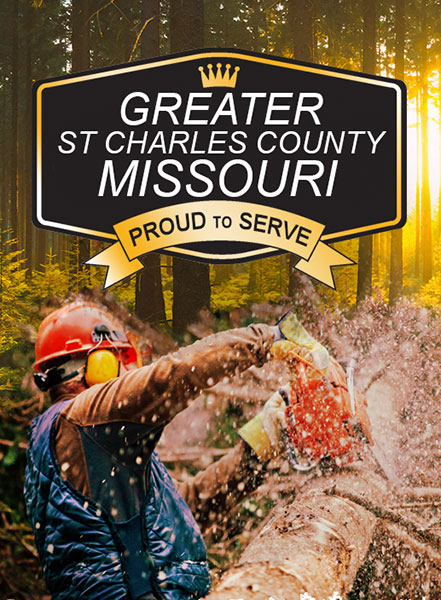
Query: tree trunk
(364, 279)
(80, 36)
(5, 163)
(149, 297)
(417, 193)
(191, 280)
(300, 20)
(376, 259)
(13, 188)
(439, 137)
(191, 292)
(426, 211)
(315, 544)
(253, 280)
(396, 251)
(81, 62)
(222, 273)
(41, 247)
(27, 137)
(150, 42)
(186, 25)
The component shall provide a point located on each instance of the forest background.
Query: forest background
(46, 38)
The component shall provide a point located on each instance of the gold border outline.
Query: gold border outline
(199, 56)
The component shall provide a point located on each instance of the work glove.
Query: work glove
(265, 432)
(292, 338)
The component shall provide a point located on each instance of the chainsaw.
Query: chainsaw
(326, 417)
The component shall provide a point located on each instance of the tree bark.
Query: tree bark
(13, 187)
(314, 545)
(150, 41)
(149, 297)
(191, 280)
(417, 193)
(29, 230)
(186, 25)
(364, 277)
(41, 247)
(4, 164)
(80, 36)
(81, 62)
(253, 279)
(439, 134)
(191, 292)
(396, 251)
(426, 210)
(300, 20)
(376, 258)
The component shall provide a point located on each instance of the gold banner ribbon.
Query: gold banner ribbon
(218, 220)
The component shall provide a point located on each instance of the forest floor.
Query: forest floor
(399, 357)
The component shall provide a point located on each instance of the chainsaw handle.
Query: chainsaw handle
(301, 364)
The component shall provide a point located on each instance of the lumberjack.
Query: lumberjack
(108, 521)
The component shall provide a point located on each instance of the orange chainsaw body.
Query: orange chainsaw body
(320, 421)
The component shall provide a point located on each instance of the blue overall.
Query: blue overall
(85, 553)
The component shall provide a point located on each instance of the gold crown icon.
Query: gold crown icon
(219, 80)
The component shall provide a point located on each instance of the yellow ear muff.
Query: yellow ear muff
(101, 366)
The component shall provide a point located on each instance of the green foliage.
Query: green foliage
(429, 295)
(52, 279)
(22, 300)
(19, 570)
(231, 293)
(167, 286)
(225, 424)
(344, 296)
(259, 281)
(14, 304)
(268, 279)
(11, 455)
(12, 290)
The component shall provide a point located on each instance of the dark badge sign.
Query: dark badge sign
(219, 156)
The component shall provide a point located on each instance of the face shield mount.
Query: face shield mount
(56, 375)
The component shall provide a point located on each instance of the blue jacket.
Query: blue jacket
(159, 553)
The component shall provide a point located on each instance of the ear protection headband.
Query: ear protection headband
(100, 366)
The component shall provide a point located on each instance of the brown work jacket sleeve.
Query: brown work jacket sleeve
(212, 493)
(154, 394)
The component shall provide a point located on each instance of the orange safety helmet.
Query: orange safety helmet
(77, 328)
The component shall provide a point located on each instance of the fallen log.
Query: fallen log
(422, 492)
(398, 566)
(414, 528)
(418, 505)
(313, 545)
(191, 454)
